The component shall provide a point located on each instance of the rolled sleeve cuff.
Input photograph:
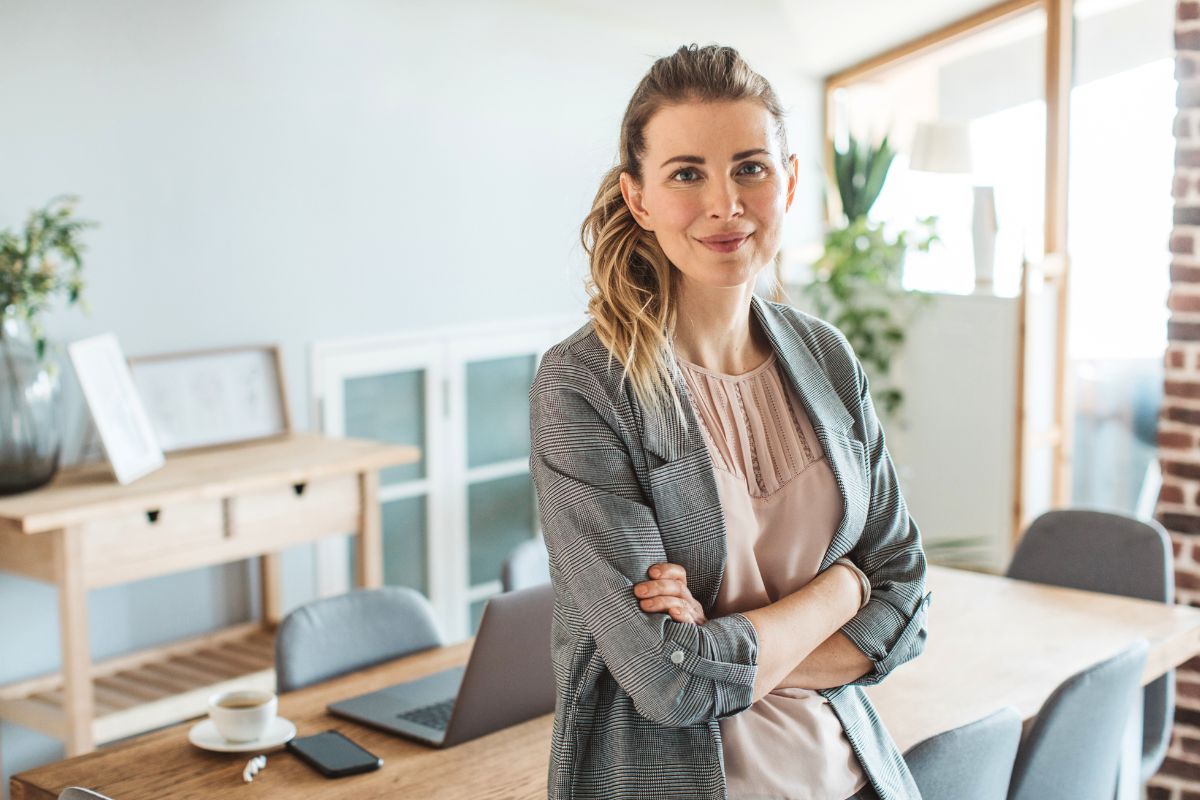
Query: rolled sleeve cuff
(724, 650)
(874, 631)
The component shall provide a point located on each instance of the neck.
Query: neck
(715, 328)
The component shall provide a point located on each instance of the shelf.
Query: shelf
(152, 688)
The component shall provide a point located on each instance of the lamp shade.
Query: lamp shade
(941, 147)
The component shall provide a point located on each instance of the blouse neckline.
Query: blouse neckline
(726, 376)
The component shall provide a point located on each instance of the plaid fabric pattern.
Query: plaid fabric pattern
(621, 487)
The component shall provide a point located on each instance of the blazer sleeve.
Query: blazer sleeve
(891, 628)
(602, 537)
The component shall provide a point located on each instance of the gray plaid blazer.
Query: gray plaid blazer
(619, 488)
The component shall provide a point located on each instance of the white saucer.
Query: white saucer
(204, 735)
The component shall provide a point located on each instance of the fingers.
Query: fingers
(668, 570)
(661, 587)
(667, 592)
(679, 610)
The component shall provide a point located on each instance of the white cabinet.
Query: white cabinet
(461, 395)
(954, 445)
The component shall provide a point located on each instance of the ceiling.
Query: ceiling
(818, 37)
(834, 34)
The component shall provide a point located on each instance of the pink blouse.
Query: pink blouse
(781, 505)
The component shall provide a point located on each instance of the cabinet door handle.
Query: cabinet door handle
(152, 515)
(299, 488)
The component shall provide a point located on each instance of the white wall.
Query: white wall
(293, 171)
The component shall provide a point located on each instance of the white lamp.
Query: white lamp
(941, 147)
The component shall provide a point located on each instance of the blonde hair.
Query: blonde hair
(632, 285)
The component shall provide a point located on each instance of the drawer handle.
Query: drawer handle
(152, 515)
(299, 488)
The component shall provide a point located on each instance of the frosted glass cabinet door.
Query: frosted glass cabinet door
(498, 409)
(390, 407)
(499, 492)
(405, 524)
(499, 517)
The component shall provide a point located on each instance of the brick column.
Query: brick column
(1179, 422)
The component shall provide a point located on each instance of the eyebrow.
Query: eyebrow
(700, 160)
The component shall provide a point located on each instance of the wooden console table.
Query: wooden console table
(84, 530)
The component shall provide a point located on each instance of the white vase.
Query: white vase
(983, 234)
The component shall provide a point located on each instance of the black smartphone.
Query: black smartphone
(333, 755)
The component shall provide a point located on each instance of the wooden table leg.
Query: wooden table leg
(369, 560)
(76, 648)
(270, 582)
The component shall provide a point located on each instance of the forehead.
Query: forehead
(712, 130)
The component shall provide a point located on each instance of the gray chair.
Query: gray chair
(1072, 750)
(527, 565)
(972, 761)
(336, 635)
(79, 793)
(1104, 552)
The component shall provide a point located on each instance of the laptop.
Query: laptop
(508, 679)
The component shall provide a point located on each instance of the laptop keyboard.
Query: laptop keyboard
(436, 716)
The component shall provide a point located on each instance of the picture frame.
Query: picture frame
(207, 398)
(116, 407)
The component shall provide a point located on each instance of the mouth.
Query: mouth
(725, 242)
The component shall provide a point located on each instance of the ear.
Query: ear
(633, 199)
(793, 179)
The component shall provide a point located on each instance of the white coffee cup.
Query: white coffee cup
(243, 715)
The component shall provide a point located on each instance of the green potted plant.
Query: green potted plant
(856, 283)
(37, 263)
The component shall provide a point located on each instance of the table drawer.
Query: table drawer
(307, 510)
(117, 544)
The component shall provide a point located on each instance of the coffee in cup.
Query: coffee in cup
(243, 715)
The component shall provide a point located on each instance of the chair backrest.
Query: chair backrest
(1097, 551)
(974, 760)
(1101, 551)
(336, 635)
(527, 565)
(79, 793)
(1075, 741)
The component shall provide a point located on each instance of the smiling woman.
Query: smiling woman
(731, 556)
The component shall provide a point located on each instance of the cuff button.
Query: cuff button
(677, 657)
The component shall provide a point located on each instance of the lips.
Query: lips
(725, 242)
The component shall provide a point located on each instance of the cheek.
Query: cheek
(674, 212)
(768, 204)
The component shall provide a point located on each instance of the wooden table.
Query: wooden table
(993, 642)
(84, 530)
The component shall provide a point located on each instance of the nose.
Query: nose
(723, 199)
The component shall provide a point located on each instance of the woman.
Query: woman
(730, 552)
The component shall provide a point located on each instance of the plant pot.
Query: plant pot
(30, 410)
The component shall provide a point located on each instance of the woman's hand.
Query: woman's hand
(667, 592)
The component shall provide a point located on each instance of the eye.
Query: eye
(685, 175)
(758, 168)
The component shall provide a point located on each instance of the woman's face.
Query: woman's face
(714, 189)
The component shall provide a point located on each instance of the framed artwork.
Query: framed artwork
(116, 408)
(204, 398)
